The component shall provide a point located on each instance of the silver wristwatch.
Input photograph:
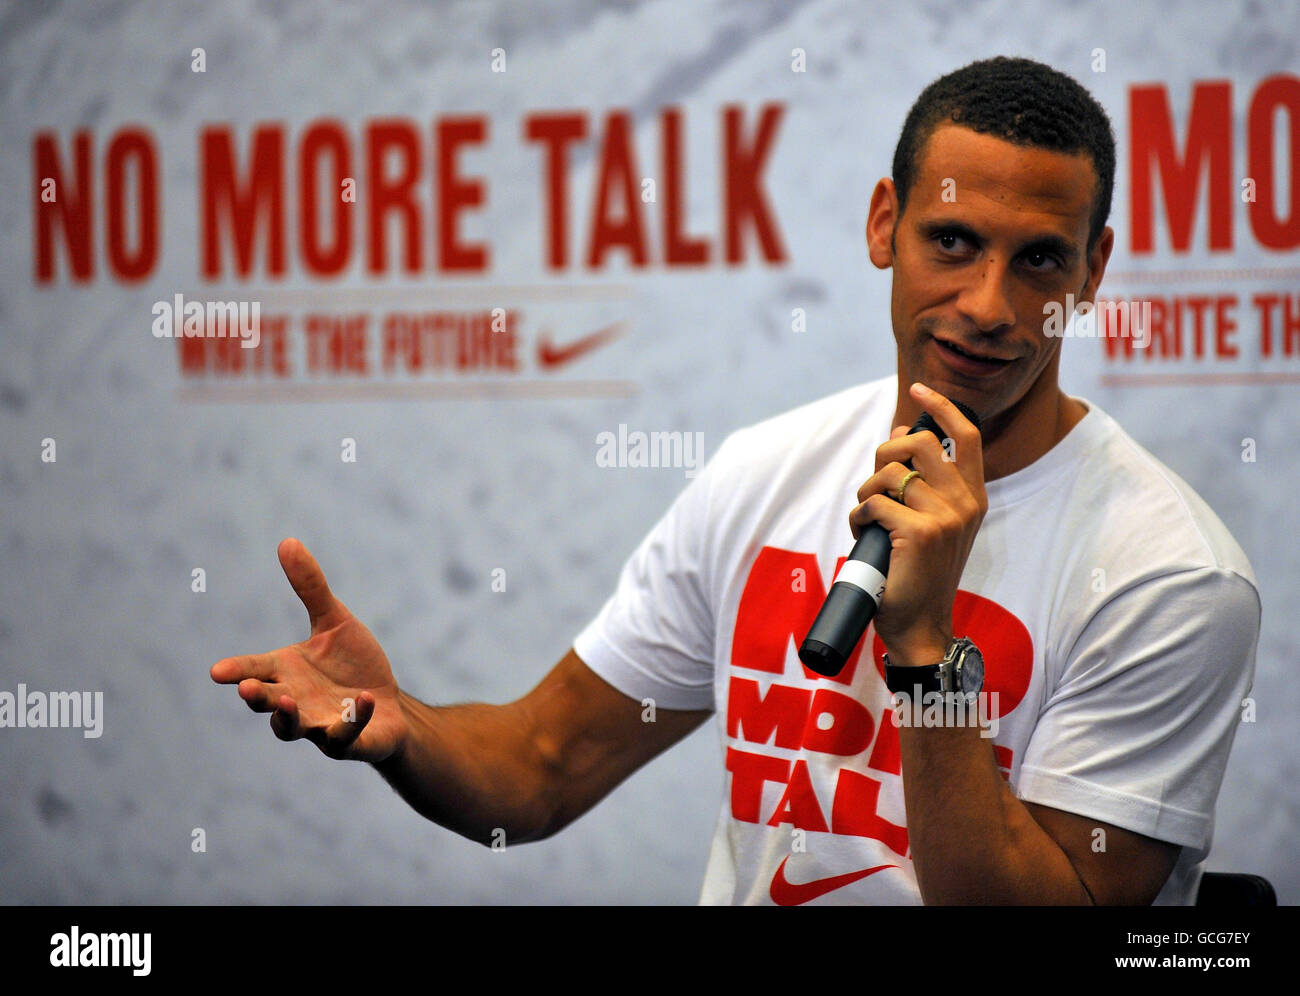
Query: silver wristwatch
(961, 670)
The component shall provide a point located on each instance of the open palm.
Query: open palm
(335, 688)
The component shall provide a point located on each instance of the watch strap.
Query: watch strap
(901, 679)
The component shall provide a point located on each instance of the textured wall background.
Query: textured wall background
(153, 480)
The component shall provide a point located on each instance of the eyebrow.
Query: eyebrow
(1047, 243)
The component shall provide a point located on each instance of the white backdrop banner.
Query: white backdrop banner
(495, 280)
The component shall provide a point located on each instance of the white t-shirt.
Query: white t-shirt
(1117, 617)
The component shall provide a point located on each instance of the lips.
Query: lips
(973, 353)
(969, 365)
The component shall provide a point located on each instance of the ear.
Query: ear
(1097, 260)
(881, 219)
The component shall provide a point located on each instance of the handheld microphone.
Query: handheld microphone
(855, 595)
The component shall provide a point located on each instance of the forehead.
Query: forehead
(1003, 182)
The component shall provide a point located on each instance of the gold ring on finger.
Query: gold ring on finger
(906, 481)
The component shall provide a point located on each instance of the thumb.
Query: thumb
(308, 581)
(899, 430)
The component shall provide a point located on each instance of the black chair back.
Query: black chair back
(1235, 890)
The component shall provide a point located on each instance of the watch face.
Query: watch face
(972, 670)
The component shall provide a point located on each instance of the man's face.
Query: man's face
(991, 232)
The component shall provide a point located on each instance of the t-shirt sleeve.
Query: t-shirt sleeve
(654, 637)
(1137, 731)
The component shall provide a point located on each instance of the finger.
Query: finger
(900, 445)
(885, 512)
(308, 581)
(337, 739)
(285, 721)
(259, 695)
(909, 446)
(884, 481)
(229, 670)
(923, 452)
(343, 732)
(918, 498)
(919, 494)
(967, 451)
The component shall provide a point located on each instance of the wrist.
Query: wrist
(397, 756)
(919, 651)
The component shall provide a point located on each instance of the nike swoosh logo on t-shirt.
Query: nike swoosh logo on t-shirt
(787, 893)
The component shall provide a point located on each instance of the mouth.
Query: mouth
(970, 361)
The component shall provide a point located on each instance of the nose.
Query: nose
(984, 302)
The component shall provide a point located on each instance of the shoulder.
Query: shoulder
(1137, 518)
(813, 432)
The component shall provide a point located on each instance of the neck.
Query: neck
(1014, 438)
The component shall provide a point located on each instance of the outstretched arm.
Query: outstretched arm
(533, 766)
(527, 768)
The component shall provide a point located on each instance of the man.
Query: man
(1116, 617)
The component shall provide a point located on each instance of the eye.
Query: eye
(1038, 260)
(950, 241)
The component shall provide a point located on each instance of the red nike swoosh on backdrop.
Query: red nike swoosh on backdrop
(787, 893)
(549, 355)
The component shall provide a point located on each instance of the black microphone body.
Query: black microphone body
(855, 595)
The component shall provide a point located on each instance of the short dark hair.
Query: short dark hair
(1019, 101)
